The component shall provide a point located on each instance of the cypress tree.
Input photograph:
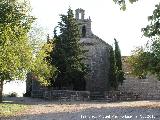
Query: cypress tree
(118, 63)
(112, 75)
(67, 55)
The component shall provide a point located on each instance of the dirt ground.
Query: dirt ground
(60, 110)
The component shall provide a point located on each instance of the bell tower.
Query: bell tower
(84, 24)
(80, 14)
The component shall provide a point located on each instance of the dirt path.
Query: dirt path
(49, 110)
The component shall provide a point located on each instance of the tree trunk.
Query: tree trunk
(1, 90)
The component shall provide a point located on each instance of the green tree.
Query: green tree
(152, 31)
(42, 69)
(16, 53)
(118, 63)
(140, 62)
(112, 72)
(67, 55)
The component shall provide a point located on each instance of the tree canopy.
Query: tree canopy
(147, 58)
(112, 71)
(16, 53)
(153, 29)
(118, 63)
(139, 61)
(67, 54)
(15, 23)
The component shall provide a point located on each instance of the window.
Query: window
(83, 31)
(80, 15)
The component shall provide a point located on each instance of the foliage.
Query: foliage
(16, 52)
(116, 74)
(42, 69)
(142, 61)
(146, 62)
(15, 23)
(155, 58)
(122, 3)
(118, 63)
(139, 61)
(117, 53)
(67, 55)
(112, 72)
(153, 29)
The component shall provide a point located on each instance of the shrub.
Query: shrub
(13, 94)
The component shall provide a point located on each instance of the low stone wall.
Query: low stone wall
(112, 96)
(37, 93)
(131, 89)
(66, 95)
(145, 89)
(135, 89)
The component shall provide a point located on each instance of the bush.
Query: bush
(13, 94)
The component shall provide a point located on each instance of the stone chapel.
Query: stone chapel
(97, 57)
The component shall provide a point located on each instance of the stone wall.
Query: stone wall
(136, 89)
(37, 89)
(112, 96)
(66, 95)
(145, 88)
(131, 89)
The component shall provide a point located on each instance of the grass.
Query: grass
(10, 109)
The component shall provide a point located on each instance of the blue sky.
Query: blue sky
(108, 21)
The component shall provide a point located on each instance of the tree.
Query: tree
(140, 61)
(112, 72)
(118, 63)
(67, 55)
(16, 53)
(152, 31)
(42, 68)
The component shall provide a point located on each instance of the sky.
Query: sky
(9, 87)
(108, 21)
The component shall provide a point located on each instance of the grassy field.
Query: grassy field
(10, 109)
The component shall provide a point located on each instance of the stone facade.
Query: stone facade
(98, 62)
(97, 57)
